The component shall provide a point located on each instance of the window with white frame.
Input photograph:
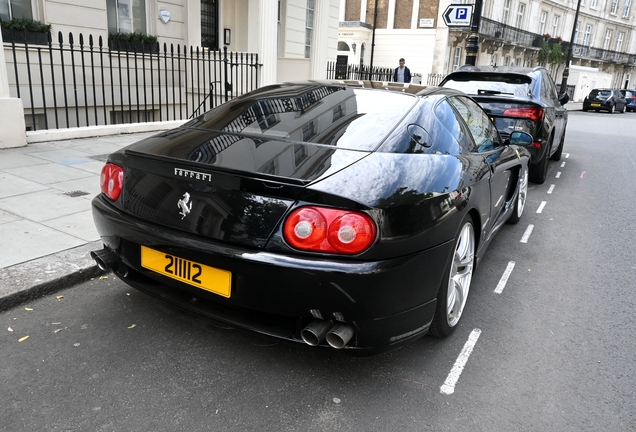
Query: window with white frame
(126, 16)
(506, 12)
(626, 9)
(614, 7)
(309, 27)
(10, 9)
(494, 60)
(608, 39)
(542, 20)
(520, 11)
(588, 35)
(507, 61)
(619, 42)
(555, 25)
(457, 58)
(593, 4)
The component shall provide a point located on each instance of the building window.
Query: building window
(506, 12)
(309, 27)
(626, 9)
(279, 32)
(520, 11)
(507, 61)
(576, 33)
(210, 24)
(308, 131)
(10, 9)
(544, 17)
(593, 4)
(588, 35)
(619, 42)
(614, 7)
(338, 112)
(608, 39)
(494, 60)
(126, 16)
(457, 58)
(555, 25)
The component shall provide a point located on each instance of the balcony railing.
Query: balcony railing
(494, 30)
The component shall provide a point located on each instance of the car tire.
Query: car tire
(522, 196)
(622, 111)
(584, 109)
(559, 152)
(539, 171)
(612, 109)
(453, 292)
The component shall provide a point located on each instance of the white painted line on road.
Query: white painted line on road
(551, 189)
(558, 174)
(583, 174)
(504, 279)
(542, 206)
(456, 371)
(526, 235)
(567, 155)
(563, 164)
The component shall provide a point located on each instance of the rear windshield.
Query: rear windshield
(345, 117)
(602, 93)
(491, 84)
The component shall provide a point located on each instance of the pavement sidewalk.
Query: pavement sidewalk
(46, 224)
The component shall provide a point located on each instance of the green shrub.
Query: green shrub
(25, 24)
(133, 37)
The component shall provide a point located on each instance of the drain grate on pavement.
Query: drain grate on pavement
(76, 193)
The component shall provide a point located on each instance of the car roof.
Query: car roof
(406, 88)
(501, 69)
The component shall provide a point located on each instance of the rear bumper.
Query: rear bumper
(388, 302)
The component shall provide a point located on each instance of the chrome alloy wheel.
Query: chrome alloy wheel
(461, 273)
(523, 193)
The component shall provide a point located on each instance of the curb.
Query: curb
(23, 282)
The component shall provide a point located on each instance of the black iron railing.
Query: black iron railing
(84, 82)
(358, 72)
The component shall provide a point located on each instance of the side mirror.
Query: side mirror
(520, 139)
(564, 98)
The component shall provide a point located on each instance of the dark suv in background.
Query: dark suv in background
(519, 99)
(609, 100)
(630, 97)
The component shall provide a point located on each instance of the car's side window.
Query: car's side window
(550, 88)
(481, 128)
(454, 125)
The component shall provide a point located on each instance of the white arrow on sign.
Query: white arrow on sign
(458, 15)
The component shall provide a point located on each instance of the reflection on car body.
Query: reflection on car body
(342, 214)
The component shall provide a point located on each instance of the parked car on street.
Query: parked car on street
(519, 99)
(609, 100)
(630, 98)
(334, 213)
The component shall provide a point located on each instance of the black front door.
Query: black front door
(210, 24)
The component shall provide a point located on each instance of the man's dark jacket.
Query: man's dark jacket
(407, 75)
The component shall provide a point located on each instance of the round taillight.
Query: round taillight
(305, 227)
(111, 181)
(351, 232)
(322, 229)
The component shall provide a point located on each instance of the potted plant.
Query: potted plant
(24, 30)
(133, 42)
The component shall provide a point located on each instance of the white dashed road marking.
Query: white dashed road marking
(504, 279)
(558, 174)
(551, 189)
(542, 206)
(526, 235)
(563, 164)
(462, 359)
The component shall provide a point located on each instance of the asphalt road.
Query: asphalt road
(552, 347)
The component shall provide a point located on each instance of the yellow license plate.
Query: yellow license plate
(199, 275)
(595, 104)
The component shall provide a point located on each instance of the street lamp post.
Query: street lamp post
(568, 58)
(375, 20)
(472, 45)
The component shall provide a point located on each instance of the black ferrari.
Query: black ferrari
(331, 213)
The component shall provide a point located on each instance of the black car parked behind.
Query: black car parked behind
(609, 100)
(519, 99)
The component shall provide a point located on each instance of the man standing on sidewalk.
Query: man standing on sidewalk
(402, 74)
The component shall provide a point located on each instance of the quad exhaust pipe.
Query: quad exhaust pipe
(338, 335)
